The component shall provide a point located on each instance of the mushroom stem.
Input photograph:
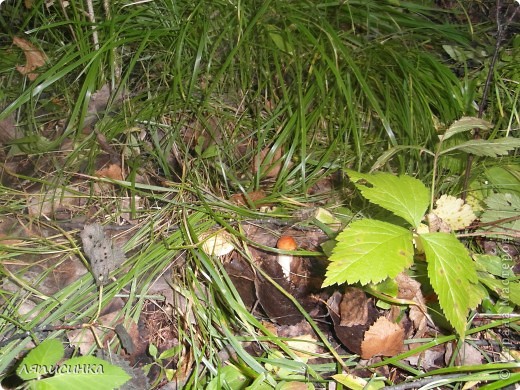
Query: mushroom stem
(285, 262)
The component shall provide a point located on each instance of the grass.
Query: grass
(198, 90)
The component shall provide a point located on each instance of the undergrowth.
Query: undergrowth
(193, 103)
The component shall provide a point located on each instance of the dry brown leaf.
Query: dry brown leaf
(429, 359)
(84, 338)
(411, 289)
(47, 203)
(34, 58)
(271, 164)
(97, 104)
(184, 368)
(350, 336)
(12, 232)
(242, 199)
(8, 130)
(383, 338)
(353, 307)
(113, 171)
(302, 339)
(468, 355)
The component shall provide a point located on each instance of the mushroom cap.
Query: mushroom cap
(286, 243)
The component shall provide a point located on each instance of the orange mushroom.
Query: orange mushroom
(286, 243)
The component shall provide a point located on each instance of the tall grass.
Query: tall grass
(199, 90)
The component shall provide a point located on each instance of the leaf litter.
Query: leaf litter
(349, 317)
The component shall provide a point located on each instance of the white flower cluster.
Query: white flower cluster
(454, 212)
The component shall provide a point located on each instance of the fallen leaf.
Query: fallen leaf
(112, 171)
(383, 338)
(351, 381)
(46, 203)
(302, 339)
(468, 355)
(251, 197)
(350, 336)
(241, 274)
(34, 58)
(305, 346)
(218, 244)
(429, 359)
(97, 104)
(353, 307)
(84, 338)
(410, 289)
(268, 165)
(8, 130)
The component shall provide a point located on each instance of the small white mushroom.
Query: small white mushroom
(286, 243)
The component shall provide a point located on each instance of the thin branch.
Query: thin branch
(501, 32)
(92, 19)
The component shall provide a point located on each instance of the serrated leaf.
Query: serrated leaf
(41, 359)
(369, 251)
(387, 155)
(504, 178)
(495, 265)
(465, 124)
(502, 206)
(505, 289)
(86, 373)
(487, 148)
(403, 195)
(504, 202)
(453, 277)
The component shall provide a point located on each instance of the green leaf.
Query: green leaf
(86, 373)
(502, 206)
(387, 155)
(41, 359)
(453, 276)
(403, 195)
(489, 148)
(506, 289)
(505, 178)
(465, 124)
(388, 287)
(369, 251)
(152, 349)
(229, 377)
(357, 383)
(501, 267)
(210, 152)
(279, 39)
(169, 353)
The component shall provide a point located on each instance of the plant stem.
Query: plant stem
(501, 31)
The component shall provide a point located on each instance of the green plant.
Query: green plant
(41, 370)
(370, 250)
(160, 360)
